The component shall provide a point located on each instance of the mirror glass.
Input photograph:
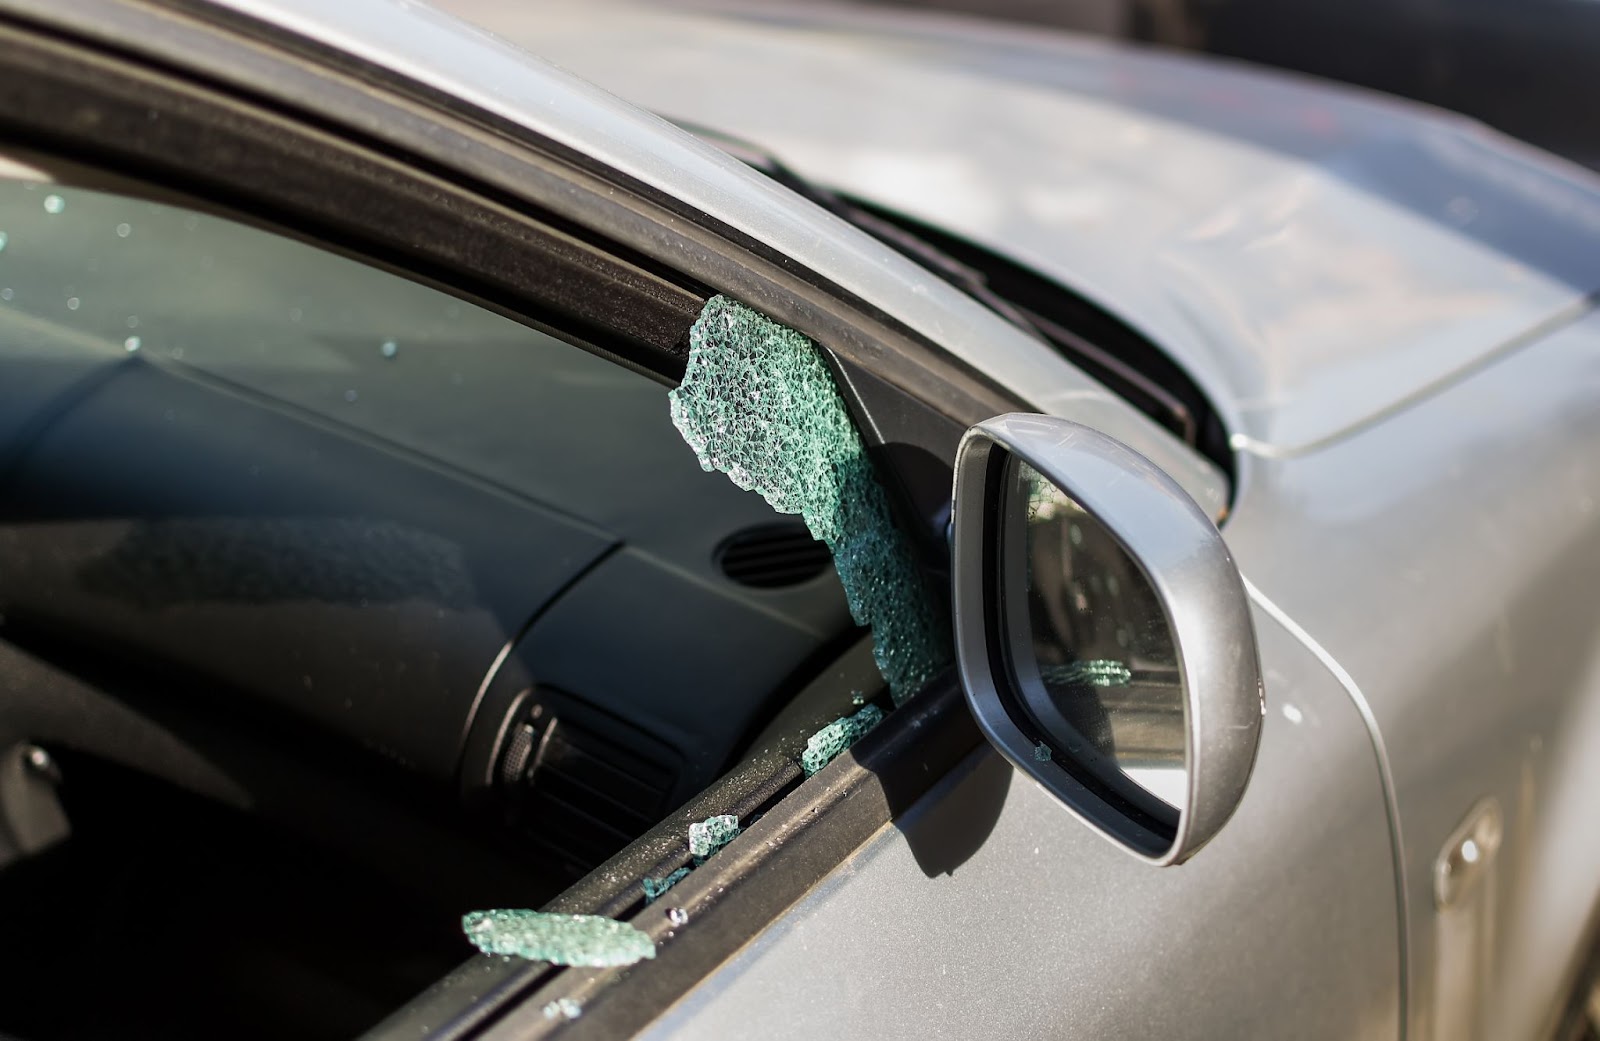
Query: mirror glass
(1092, 652)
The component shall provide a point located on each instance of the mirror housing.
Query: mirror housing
(1194, 658)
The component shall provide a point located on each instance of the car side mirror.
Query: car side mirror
(1103, 632)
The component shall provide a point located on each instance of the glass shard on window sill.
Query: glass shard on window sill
(654, 887)
(560, 939)
(711, 834)
(826, 744)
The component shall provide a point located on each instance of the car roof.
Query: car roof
(435, 49)
(1314, 255)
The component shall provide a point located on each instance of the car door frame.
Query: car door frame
(259, 124)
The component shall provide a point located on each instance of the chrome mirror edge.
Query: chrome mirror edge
(1188, 564)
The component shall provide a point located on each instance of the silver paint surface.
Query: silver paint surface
(1282, 927)
(1312, 255)
(1392, 307)
(1376, 295)
(1449, 560)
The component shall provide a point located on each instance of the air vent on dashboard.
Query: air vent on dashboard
(772, 556)
(581, 783)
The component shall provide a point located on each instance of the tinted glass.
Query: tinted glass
(277, 525)
(345, 491)
(1098, 661)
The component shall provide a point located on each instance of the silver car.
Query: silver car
(1155, 594)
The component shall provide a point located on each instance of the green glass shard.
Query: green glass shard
(1041, 753)
(834, 738)
(654, 887)
(563, 1008)
(711, 834)
(1096, 672)
(561, 939)
(757, 403)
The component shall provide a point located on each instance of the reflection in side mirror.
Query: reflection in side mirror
(1092, 656)
(1104, 633)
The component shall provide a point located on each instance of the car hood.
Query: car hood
(1314, 255)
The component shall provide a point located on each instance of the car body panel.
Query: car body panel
(1312, 255)
(1377, 290)
(1040, 928)
(1448, 560)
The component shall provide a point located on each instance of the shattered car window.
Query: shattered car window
(758, 403)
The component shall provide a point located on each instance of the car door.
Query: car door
(916, 886)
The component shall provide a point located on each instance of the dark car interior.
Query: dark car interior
(333, 607)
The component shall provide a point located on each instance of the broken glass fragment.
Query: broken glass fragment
(826, 744)
(711, 834)
(757, 402)
(1041, 753)
(561, 939)
(654, 887)
(563, 1008)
